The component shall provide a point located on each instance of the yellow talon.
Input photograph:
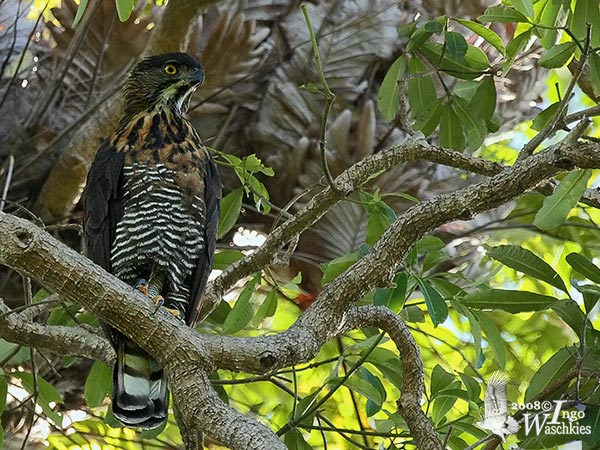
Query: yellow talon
(160, 301)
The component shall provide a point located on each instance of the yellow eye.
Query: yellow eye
(170, 69)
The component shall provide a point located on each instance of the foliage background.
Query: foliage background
(514, 289)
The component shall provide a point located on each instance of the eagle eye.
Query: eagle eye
(170, 69)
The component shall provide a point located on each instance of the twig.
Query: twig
(329, 100)
(9, 172)
(558, 117)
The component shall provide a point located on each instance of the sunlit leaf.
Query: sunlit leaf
(510, 301)
(584, 266)
(557, 56)
(124, 9)
(557, 206)
(523, 260)
(436, 305)
(486, 33)
(242, 311)
(552, 369)
(231, 206)
(98, 384)
(456, 44)
(525, 7)
(388, 99)
(501, 14)
(544, 117)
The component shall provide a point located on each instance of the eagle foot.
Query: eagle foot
(159, 301)
(142, 286)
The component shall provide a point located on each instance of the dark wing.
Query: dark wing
(212, 197)
(103, 204)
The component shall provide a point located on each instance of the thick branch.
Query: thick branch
(187, 356)
(35, 253)
(413, 387)
(15, 327)
(347, 182)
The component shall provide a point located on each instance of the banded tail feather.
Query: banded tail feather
(140, 394)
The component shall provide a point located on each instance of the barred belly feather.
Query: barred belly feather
(159, 229)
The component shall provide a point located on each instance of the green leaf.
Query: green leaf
(556, 207)
(80, 10)
(489, 35)
(456, 45)
(394, 297)
(584, 266)
(502, 14)
(417, 39)
(436, 305)
(523, 260)
(224, 258)
(295, 441)
(513, 49)
(336, 266)
(436, 25)
(421, 88)
(525, 7)
(542, 119)
(509, 301)
(483, 103)
(557, 56)
(473, 65)
(124, 9)
(493, 336)
(591, 420)
(586, 11)
(473, 386)
(47, 394)
(388, 98)
(441, 381)
(549, 14)
(473, 126)
(594, 61)
(451, 133)
(570, 312)
(429, 119)
(412, 314)
(3, 391)
(267, 309)
(358, 383)
(98, 384)
(242, 312)
(552, 369)
(231, 206)
(408, 29)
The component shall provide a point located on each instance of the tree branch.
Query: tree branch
(409, 405)
(187, 356)
(17, 328)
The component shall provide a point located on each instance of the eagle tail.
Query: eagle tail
(140, 393)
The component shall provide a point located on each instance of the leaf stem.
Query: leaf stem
(327, 94)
